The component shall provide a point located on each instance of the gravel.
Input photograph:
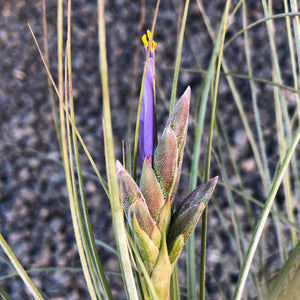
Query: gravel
(34, 209)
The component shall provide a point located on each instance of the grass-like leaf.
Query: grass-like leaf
(263, 218)
(17, 265)
(116, 207)
(284, 275)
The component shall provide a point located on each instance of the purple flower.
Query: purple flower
(147, 117)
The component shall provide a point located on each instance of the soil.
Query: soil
(35, 217)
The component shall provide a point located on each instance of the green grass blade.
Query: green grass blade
(220, 41)
(116, 208)
(254, 97)
(178, 56)
(261, 204)
(103, 184)
(282, 116)
(53, 104)
(22, 273)
(247, 77)
(95, 265)
(263, 218)
(258, 22)
(283, 275)
(4, 294)
(73, 197)
(190, 257)
(236, 169)
(296, 27)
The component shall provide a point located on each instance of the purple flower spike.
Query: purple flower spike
(147, 119)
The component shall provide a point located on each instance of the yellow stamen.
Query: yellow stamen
(149, 34)
(146, 41)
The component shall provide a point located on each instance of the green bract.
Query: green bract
(159, 230)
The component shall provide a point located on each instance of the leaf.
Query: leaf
(176, 249)
(130, 191)
(147, 249)
(151, 190)
(162, 272)
(141, 212)
(164, 162)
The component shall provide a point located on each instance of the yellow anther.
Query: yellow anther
(149, 34)
(153, 46)
(146, 39)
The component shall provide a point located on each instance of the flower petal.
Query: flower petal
(147, 117)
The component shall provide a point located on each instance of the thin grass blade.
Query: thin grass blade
(22, 273)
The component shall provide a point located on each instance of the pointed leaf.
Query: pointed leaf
(148, 251)
(201, 194)
(165, 217)
(151, 190)
(178, 120)
(130, 190)
(185, 223)
(156, 236)
(140, 210)
(162, 272)
(176, 249)
(164, 162)
(187, 215)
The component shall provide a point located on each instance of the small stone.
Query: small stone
(248, 165)
(240, 138)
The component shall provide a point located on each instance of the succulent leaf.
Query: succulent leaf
(156, 236)
(151, 190)
(140, 210)
(185, 223)
(165, 217)
(178, 120)
(187, 215)
(162, 272)
(201, 194)
(130, 190)
(176, 249)
(164, 162)
(147, 249)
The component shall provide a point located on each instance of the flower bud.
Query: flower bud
(147, 116)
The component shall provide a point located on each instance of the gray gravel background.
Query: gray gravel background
(34, 209)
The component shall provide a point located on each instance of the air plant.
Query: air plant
(160, 229)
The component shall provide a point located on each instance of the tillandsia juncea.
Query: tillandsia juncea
(160, 229)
